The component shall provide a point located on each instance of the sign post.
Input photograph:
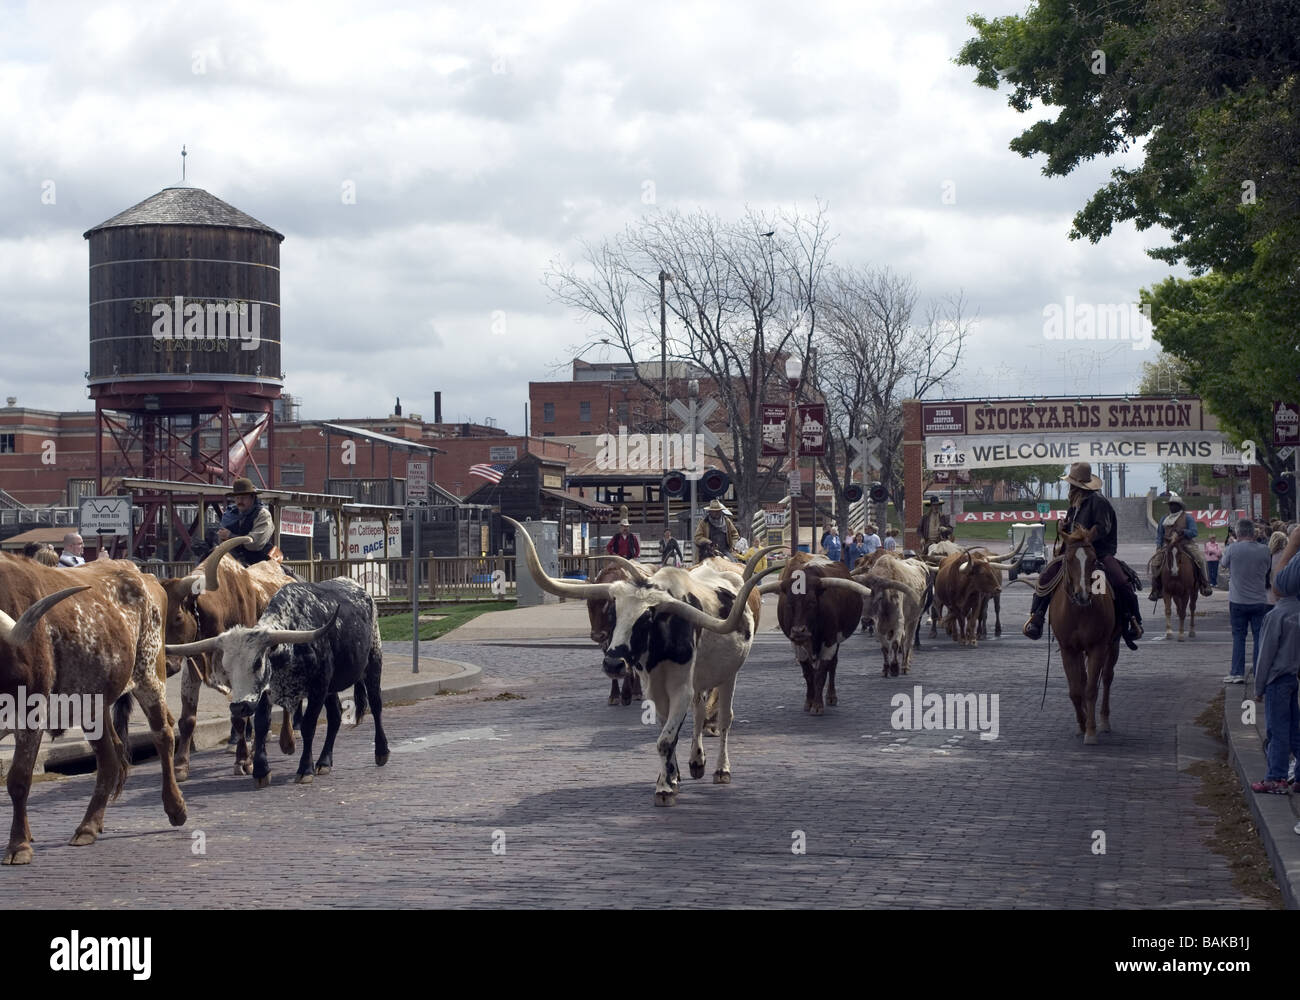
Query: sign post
(417, 497)
(107, 517)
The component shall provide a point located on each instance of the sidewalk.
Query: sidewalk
(213, 719)
(1275, 815)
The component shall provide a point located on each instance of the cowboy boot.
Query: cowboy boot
(1034, 626)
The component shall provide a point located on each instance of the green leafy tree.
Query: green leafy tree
(1033, 479)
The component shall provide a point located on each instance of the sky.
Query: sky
(482, 141)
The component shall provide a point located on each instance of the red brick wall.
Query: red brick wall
(913, 471)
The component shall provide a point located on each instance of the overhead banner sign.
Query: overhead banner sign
(1000, 451)
(774, 432)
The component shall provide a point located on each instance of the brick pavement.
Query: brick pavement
(891, 819)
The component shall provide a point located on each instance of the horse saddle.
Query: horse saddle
(1042, 589)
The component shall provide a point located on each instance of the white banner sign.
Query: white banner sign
(366, 539)
(999, 451)
(105, 516)
(295, 521)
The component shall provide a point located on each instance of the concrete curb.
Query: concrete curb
(1274, 815)
(213, 730)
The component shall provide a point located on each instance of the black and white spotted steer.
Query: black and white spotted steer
(313, 641)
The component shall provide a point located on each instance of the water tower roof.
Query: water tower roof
(183, 206)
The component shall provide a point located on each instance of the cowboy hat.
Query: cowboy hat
(625, 523)
(242, 485)
(1174, 498)
(715, 507)
(1081, 476)
(932, 500)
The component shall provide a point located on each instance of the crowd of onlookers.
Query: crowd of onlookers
(73, 554)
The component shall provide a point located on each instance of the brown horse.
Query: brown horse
(1177, 583)
(1083, 617)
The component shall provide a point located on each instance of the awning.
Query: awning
(581, 504)
(44, 536)
(385, 439)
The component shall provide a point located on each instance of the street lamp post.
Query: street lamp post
(793, 369)
(664, 276)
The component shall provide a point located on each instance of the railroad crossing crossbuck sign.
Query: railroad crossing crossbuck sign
(693, 420)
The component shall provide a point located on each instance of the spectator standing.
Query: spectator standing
(854, 549)
(46, 556)
(832, 546)
(1276, 543)
(1276, 683)
(871, 540)
(891, 540)
(670, 553)
(625, 543)
(1213, 553)
(74, 550)
(1248, 564)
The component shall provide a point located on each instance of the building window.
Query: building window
(584, 412)
(7, 446)
(549, 434)
(293, 474)
(622, 413)
(548, 413)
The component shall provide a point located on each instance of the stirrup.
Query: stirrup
(1033, 628)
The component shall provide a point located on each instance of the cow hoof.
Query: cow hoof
(722, 777)
(182, 773)
(302, 779)
(22, 856)
(665, 798)
(626, 700)
(710, 729)
(263, 781)
(1089, 739)
(818, 710)
(322, 770)
(381, 759)
(82, 838)
(832, 700)
(893, 671)
(697, 770)
(177, 818)
(614, 699)
(1103, 727)
(1180, 637)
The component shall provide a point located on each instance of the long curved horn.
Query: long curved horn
(207, 570)
(274, 637)
(703, 619)
(773, 587)
(16, 633)
(639, 571)
(835, 583)
(561, 588)
(195, 648)
(756, 558)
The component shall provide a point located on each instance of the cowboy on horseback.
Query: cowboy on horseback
(1178, 519)
(1089, 509)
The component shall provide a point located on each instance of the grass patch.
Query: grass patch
(1235, 835)
(397, 628)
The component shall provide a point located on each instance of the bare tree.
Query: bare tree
(742, 298)
(875, 354)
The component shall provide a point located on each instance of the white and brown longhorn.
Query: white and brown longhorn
(100, 639)
(685, 633)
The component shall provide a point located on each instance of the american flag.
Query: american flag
(492, 473)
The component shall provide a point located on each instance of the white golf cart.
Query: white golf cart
(1034, 554)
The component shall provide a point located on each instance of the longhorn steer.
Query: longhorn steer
(218, 595)
(106, 641)
(818, 608)
(684, 633)
(313, 641)
(601, 614)
(899, 589)
(963, 585)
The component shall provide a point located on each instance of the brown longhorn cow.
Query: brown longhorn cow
(964, 584)
(219, 594)
(96, 640)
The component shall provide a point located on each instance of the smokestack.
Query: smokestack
(437, 407)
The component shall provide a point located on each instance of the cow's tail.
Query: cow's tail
(121, 741)
(359, 696)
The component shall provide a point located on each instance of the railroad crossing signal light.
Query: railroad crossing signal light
(853, 493)
(1284, 486)
(878, 493)
(713, 484)
(674, 485)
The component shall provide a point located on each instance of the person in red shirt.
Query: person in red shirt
(625, 543)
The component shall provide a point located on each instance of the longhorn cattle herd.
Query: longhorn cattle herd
(263, 638)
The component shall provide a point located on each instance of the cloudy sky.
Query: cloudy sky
(484, 139)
